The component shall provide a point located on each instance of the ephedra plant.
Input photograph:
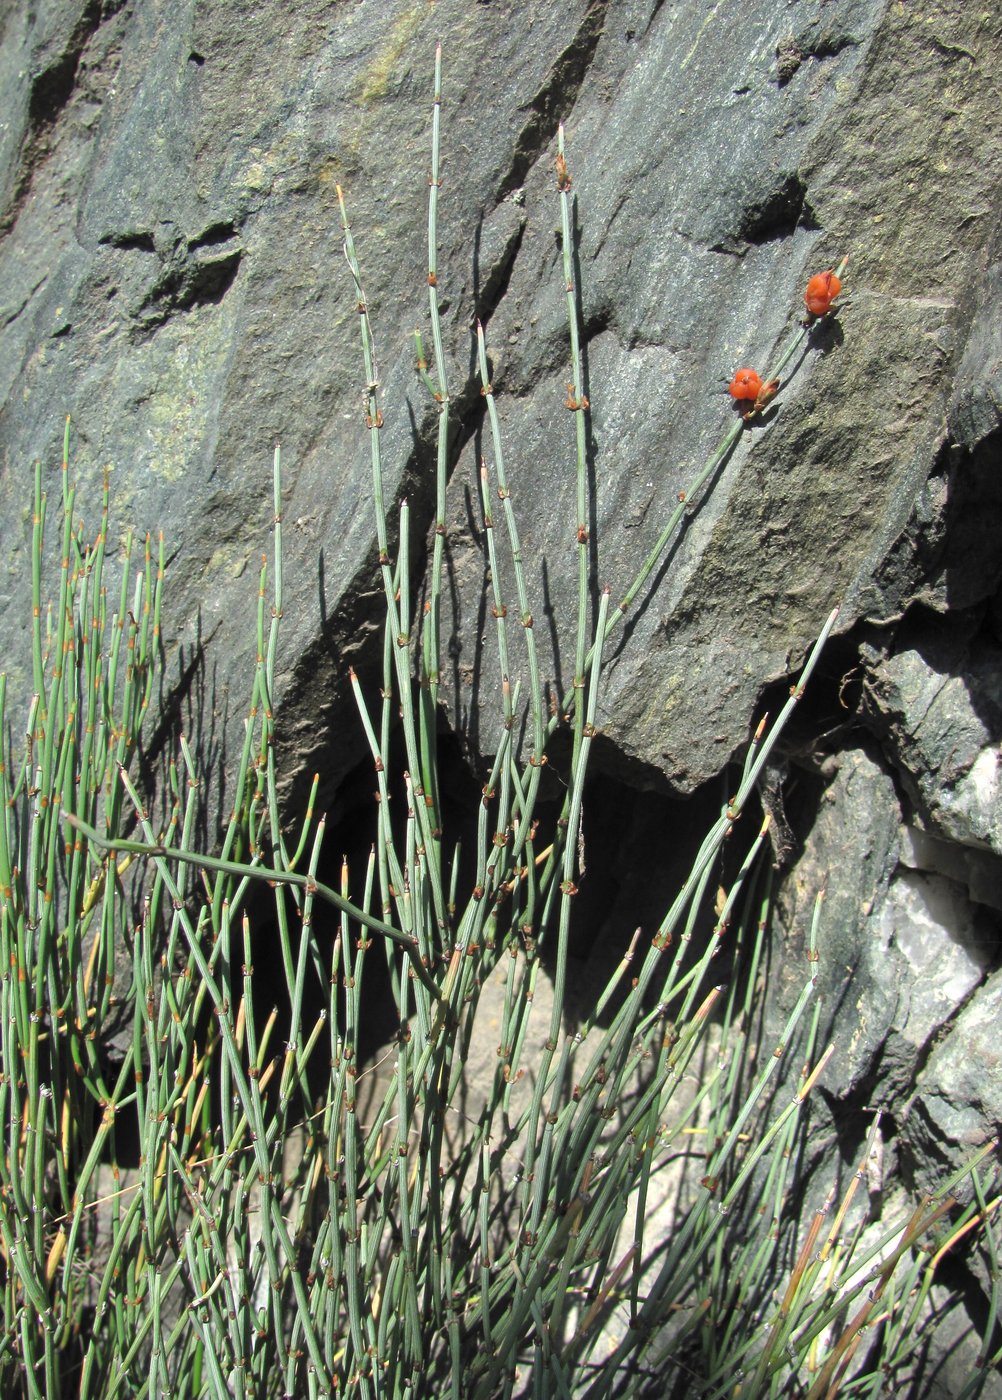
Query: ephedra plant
(277, 1242)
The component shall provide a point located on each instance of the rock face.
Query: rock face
(172, 278)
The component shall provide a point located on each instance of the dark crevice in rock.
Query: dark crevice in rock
(968, 564)
(140, 241)
(350, 820)
(777, 215)
(819, 41)
(51, 88)
(209, 281)
(636, 848)
(638, 840)
(174, 698)
(852, 1112)
(490, 292)
(214, 235)
(52, 84)
(319, 729)
(194, 273)
(198, 286)
(946, 557)
(594, 324)
(829, 706)
(555, 98)
(656, 9)
(377, 1022)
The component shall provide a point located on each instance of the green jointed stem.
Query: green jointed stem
(577, 402)
(155, 851)
(428, 818)
(536, 1193)
(431, 643)
(525, 612)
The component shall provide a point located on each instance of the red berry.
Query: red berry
(821, 291)
(746, 384)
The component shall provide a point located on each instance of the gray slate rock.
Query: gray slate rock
(939, 711)
(954, 1110)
